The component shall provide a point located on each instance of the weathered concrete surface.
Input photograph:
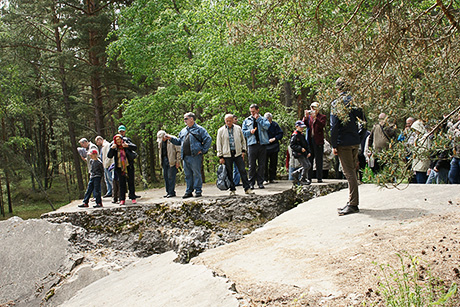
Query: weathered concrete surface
(188, 226)
(34, 256)
(158, 281)
(287, 250)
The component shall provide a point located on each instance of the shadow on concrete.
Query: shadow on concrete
(395, 213)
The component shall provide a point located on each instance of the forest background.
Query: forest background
(79, 68)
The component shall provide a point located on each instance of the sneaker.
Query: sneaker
(97, 206)
(198, 194)
(83, 205)
(187, 195)
(266, 182)
(349, 210)
(343, 208)
(232, 193)
(320, 180)
(249, 191)
(134, 201)
(107, 195)
(261, 186)
(305, 182)
(122, 202)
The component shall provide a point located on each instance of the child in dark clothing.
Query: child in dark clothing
(300, 151)
(94, 184)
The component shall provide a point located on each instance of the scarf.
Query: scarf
(122, 161)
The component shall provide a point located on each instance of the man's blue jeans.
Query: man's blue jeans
(169, 175)
(94, 186)
(108, 180)
(192, 171)
(454, 173)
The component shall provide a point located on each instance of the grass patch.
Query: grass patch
(412, 285)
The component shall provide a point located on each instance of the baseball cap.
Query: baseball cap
(121, 128)
(315, 105)
(300, 124)
(94, 152)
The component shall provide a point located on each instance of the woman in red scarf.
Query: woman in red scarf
(121, 152)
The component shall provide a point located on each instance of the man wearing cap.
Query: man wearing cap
(170, 161)
(195, 141)
(345, 142)
(86, 149)
(315, 123)
(107, 162)
(255, 130)
(301, 152)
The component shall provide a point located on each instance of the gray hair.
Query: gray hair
(98, 138)
(228, 115)
(268, 115)
(191, 114)
(83, 140)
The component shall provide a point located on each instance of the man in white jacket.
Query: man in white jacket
(231, 146)
(106, 162)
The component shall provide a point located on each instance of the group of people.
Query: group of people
(259, 137)
(112, 161)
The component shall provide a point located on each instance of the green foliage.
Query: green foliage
(413, 285)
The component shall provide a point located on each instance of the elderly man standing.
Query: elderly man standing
(231, 147)
(84, 152)
(275, 134)
(170, 161)
(195, 141)
(106, 162)
(345, 142)
(255, 130)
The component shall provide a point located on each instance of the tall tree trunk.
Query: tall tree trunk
(2, 204)
(66, 98)
(95, 61)
(287, 94)
(8, 191)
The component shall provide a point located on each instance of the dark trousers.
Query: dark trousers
(127, 178)
(239, 163)
(94, 186)
(317, 152)
(348, 156)
(271, 165)
(169, 175)
(257, 155)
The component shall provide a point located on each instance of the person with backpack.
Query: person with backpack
(195, 141)
(231, 147)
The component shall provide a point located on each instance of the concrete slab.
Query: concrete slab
(157, 281)
(287, 249)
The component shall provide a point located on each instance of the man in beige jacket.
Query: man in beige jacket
(231, 146)
(170, 161)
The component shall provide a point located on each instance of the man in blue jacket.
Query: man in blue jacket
(195, 142)
(345, 142)
(255, 130)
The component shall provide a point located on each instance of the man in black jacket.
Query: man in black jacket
(275, 134)
(345, 142)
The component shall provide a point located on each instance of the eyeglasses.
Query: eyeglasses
(186, 118)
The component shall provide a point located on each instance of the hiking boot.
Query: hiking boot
(198, 194)
(249, 191)
(349, 210)
(97, 206)
(187, 195)
(83, 205)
